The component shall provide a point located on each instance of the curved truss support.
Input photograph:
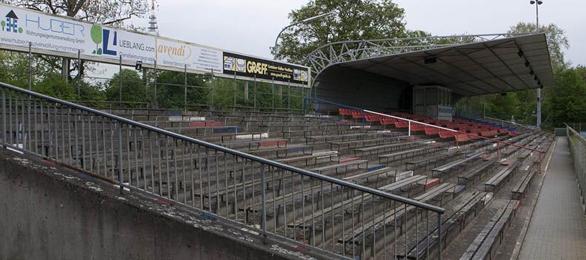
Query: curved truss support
(347, 51)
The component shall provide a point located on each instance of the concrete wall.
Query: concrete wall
(363, 89)
(45, 216)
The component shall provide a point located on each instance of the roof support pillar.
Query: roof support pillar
(538, 109)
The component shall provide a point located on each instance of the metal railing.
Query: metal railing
(578, 149)
(273, 198)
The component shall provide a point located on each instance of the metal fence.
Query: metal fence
(273, 198)
(578, 150)
(156, 88)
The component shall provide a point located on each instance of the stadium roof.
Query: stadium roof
(477, 68)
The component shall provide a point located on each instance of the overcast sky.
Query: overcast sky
(251, 26)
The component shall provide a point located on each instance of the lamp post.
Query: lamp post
(300, 22)
(537, 3)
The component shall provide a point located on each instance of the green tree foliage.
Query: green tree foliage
(171, 89)
(54, 85)
(566, 103)
(353, 20)
(133, 88)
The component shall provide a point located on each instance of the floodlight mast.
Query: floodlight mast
(537, 3)
(306, 20)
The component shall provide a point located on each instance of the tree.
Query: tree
(133, 88)
(171, 89)
(107, 12)
(566, 103)
(54, 85)
(353, 20)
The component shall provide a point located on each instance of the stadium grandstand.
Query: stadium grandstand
(378, 167)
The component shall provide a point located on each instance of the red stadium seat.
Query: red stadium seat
(401, 124)
(462, 138)
(387, 121)
(431, 131)
(415, 127)
(357, 114)
(371, 118)
(446, 134)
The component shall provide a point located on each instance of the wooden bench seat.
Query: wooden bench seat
(499, 177)
(483, 244)
(395, 214)
(457, 163)
(344, 164)
(315, 156)
(518, 191)
(355, 200)
(391, 156)
(454, 222)
(369, 174)
(470, 174)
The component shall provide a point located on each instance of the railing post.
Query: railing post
(120, 83)
(439, 235)
(409, 131)
(263, 223)
(30, 65)
(120, 180)
(4, 142)
(78, 85)
(185, 89)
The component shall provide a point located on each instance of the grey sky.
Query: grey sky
(251, 26)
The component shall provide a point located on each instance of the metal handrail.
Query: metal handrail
(386, 115)
(233, 152)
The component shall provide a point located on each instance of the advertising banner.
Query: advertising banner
(177, 54)
(112, 43)
(18, 27)
(264, 69)
(68, 37)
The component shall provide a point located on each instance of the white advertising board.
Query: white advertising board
(113, 43)
(172, 53)
(68, 37)
(18, 27)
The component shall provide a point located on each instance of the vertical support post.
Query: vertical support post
(120, 83)
(120, 179)
(289, 96)
(273, 93)
(155, 83)
(538, 90)
(185, 88)
(78, 73)
(303, 99)
(538, 109)
(254, 90)
(234, 93)
(30, 65)
(246, 91)
(211, 93)
(409, 130)
(439, 235)
(264, 201)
